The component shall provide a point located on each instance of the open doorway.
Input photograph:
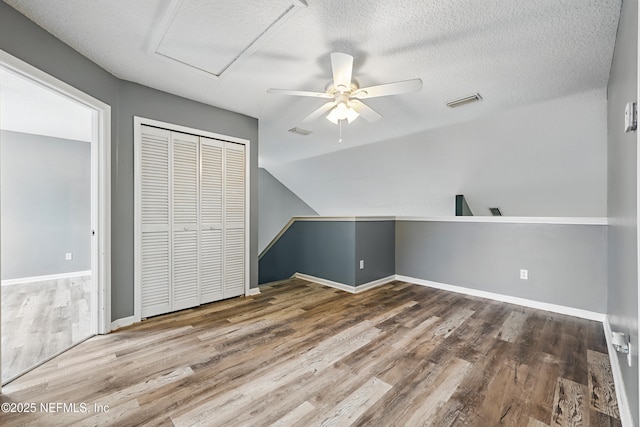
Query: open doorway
(54, 198)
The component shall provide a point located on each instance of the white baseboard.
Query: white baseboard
(344, 287)
(623, 401)
(253, 291)
(375, 283)
(326, 282)
(34, 279)
(121, 323)
(555, 308)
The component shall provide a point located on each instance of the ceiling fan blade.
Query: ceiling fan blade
(320, 111)
(406, 86)
(342, 67)
(299, 93)
(368, 113)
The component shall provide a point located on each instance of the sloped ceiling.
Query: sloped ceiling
(227, 54)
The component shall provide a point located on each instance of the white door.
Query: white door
(211, 194)
(155, 242)
(234, 220)
(185, 289)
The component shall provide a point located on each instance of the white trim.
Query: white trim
(345, 287)
(623, 401)
(121, 323)
(555, 308)
(375, 283)
(326, 282)
(33, 279)
(343, 218)
(511, 220)
(253, 291)
(137, 135)
(101, 204)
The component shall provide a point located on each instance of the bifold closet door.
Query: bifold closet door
(155, 244)
(234, 217)
(185, 171)
(211, 196)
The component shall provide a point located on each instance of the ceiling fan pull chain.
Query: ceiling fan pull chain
(340, 126)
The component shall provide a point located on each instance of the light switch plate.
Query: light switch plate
(630, 117)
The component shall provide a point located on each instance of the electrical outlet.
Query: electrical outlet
(361, 264)
(524, 274)
(68, 256)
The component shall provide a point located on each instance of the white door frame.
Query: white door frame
(137, 140)
(100, 185)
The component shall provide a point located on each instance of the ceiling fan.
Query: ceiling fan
(346, 95)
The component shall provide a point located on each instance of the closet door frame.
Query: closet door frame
(138, 122)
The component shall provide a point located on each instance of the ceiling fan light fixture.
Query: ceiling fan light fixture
(352, 114)
(342, 112)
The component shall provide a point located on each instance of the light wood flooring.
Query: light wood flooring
(301, 354)
(41, 319)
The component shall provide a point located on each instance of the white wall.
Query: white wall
(546, 159)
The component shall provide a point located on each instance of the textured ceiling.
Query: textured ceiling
(512, 52)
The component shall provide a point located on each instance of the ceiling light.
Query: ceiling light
(462, 101)
(342, 112)
(299, 131)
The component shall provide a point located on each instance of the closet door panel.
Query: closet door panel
(185, 289)
(234, 220)
(211, 213)
(155, 241)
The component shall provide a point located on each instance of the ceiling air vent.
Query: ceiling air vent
(462, 101)
(299, 131)
(495, 211)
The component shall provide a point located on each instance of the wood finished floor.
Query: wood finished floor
(41, 319)
(301, 354)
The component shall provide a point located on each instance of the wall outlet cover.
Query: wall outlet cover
(524, 274)
(68, 256)
(361, 264)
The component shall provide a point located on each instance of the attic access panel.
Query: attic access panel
(212, 37)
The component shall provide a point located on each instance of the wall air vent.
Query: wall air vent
(495, 211)
(462, 101)
(299, 131)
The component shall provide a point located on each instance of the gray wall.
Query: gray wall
(277, 205)
(376, 245)
(318, 248)
(25, 40)
(46, 205)
(622, 306)
(567, 263)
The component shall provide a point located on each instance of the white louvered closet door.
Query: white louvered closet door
(211, 194)
(234, 216)
(185, 289)
(155, 244)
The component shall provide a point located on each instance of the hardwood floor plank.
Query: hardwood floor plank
(512, 326)
(353, 405)
(439, 392)
(570, 404)
(602, 394)
(294, 416)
